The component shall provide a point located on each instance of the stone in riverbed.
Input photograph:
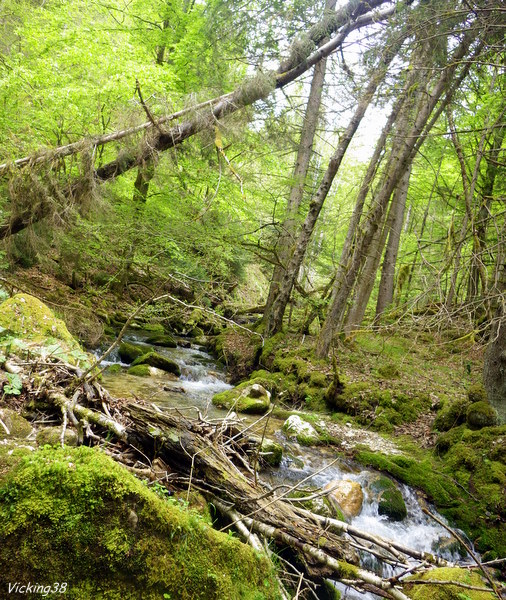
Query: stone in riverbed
(246, 398)
(153, 359)
(303, 431)
(139, 371)
(128, 352)
(390, 500)
(345, 496)
(164, 340)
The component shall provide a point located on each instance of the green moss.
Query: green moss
(33, 328)
(448, 592)
(30, 319)
(139, 371)
(74, 515)
(388, 371)
(318, 379)
(451, 414)
(448, 439)
(52, 436)
(477, 393)
(153, 359)
(271, 452)
(391, 504)
(18, 426)
(128, 352)
(481, 414)
(347, 571)
(247, 397)
(154, 328)
(167, 341)
(113, 369)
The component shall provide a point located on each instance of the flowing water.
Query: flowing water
(201, 378)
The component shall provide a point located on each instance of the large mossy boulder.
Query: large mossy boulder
(444, 591)
(28, 325)
(390, 500)
(153, 359)
(249, 398)
(74, 515)
(128, 352)
(481, 414)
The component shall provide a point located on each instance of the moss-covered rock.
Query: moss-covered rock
(477, 393)
(248, 397)
(391, 504)
(445, 591)
(52, 436)
(153, 359)
(17, 426)
(139, 371)
(33, 328)
(164, 340)
(301, 430)
(75, 516)
(451, 414)
(390, 500)
(481, 414)
(128, 352)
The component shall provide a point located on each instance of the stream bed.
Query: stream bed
(201, 378)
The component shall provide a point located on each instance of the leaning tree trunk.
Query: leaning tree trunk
(352, 16)
(418, 132)
(275, 320)
(386, 286)
(304, 154)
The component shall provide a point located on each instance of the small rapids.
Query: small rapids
(201, 378)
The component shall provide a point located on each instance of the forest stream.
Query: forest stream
(202, 377)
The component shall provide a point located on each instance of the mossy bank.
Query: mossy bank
(73, 515)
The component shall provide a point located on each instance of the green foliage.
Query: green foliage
(14, 385)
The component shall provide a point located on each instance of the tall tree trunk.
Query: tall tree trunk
(386, 286)
(398, 166)
(494, 367)
(304, 153)
(483, 217)
(275, 320)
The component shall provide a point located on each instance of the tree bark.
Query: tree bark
(386, 286)
(275, 319)
(494, 367)
(304, 154)
(399, 164)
